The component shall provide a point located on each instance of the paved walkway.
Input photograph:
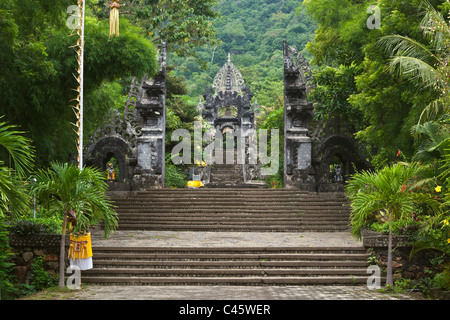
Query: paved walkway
(224, 239)
(236, 293)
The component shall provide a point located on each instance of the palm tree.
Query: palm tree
(13, 195)
(427, 68)
(385, 191)
(67, 190)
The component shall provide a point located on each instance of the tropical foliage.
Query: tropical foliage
(386, 195)
(81, 194)
(14, 198)
(13, 194)
(408, 190)
(425, 65)
(64, 190)
(252, 31)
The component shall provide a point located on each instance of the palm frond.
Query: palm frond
(434, 139)
(418, 71)
(13, 195)
(434, 110)
(435, 26)
(81, 191)
(398, 45)
(18, 146)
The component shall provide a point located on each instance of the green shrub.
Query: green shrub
(27, 227)
(275, 181)
(6, 286)
(175, 177)
(53, 225)
(399, 227)
(402, 285)
(41, 278)
(442, 280)
(32, 226)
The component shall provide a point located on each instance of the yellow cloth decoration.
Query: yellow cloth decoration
(114, 19)
(80, 246)
(194, 184)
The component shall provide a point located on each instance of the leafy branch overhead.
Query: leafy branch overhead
(185, 25)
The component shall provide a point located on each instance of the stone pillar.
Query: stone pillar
(298, 113)
(150, 145)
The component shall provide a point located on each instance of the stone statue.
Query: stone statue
(110, 172)
(338, 174)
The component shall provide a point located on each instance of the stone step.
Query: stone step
(235, 191)
(332, 214)
(236, 281)
(228, 266)
(218, 272)
(190, 192)
(217, 211)
(214, 226)
(230, 208)
(233, 256)
(238, 192)
(259, 250)
(200, 218)
(152, 207)
(234, 200)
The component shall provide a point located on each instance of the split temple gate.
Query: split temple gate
(135, 137)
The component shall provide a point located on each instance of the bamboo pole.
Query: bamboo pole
(81, 3)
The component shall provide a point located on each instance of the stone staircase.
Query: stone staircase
(226, 175)
(228, 266)
(237, 209)
(230, 209)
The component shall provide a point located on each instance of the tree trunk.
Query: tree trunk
(62, 250)
(389, 262)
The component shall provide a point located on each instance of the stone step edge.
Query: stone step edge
(259, 249)
(236, 256)
(331, 280)
(217, 226)
(243, 264)
(234, 271)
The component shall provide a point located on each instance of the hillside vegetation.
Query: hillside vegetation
(253, 32)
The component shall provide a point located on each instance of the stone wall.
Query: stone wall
(419, 266)
(28, 248)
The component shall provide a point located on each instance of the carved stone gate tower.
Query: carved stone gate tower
(298, 114)
(318, 156)
(135, 138)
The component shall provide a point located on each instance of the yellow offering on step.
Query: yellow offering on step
(194, 184)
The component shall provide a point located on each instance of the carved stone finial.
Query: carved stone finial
(229, 78)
